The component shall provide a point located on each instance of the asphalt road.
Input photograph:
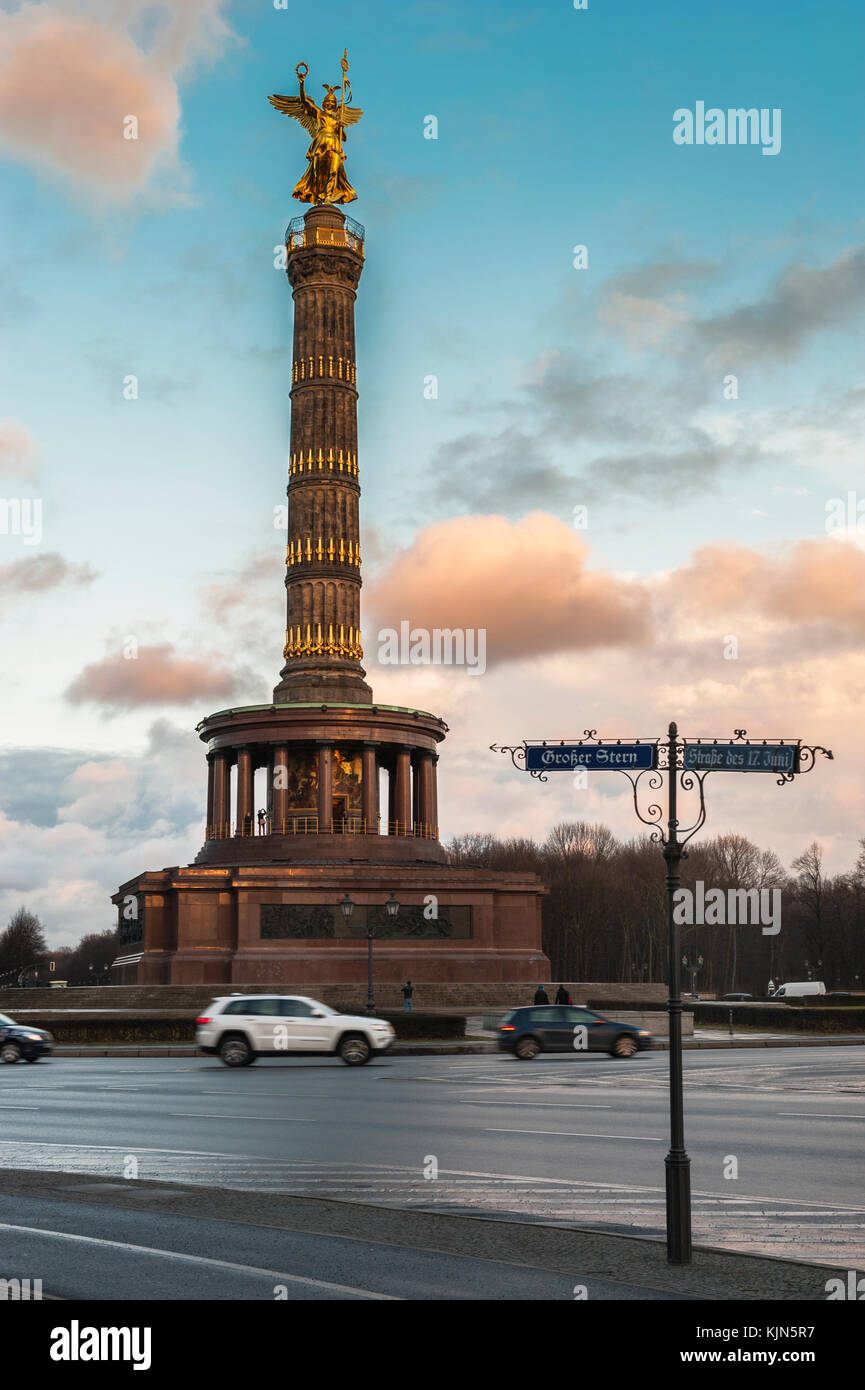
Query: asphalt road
(85, 1250)
(572, 1140)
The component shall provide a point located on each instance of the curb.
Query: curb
(469, 1048)
(190, 1050)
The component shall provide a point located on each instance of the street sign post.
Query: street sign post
(564, 757)
(738, 757)
(684, 764)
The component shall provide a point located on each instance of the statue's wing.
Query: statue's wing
(351, 114)
(293, 106)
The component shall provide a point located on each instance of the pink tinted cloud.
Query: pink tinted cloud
(66, 84)
(810, 581)
(531, 585)
(527, 582)
(158, 676)
(39, 572)
(70, 76)
(18, 449)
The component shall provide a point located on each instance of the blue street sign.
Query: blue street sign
(559, 757)
(741, 757)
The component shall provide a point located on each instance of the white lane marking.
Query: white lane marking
(207, 1115)
(124, 1148)
(201, 1260)
(320, 1167)
(818, 1115)
(572, 1134)
(19, 1107)
(537, 1104)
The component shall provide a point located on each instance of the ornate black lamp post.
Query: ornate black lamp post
(692, 966)
(346, 907)
(391, 907)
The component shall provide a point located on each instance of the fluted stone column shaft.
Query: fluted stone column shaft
(211, 775)
(403, 791)
(245, 772)
(221, 812)
(434, 795)
(423, 805)
(369, 788)
(279, 794)
(325, 788)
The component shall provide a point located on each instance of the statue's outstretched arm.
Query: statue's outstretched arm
(306, 102)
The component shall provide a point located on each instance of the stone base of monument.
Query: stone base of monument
(282, 925)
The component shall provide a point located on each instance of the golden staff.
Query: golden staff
(343, 62)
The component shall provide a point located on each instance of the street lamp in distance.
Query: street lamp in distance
(391, 907)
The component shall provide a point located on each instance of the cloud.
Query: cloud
(246, 608)
(29, 779)
(158, 676)
(568, 428)
(803, 300)
(798, 612)
(648, 303)
(530, 584)
(18, 449)
(37, 573)
(577, 435)
(818, 582)
(479, 470)
(110, 818)
(527, 583)
(71, 74)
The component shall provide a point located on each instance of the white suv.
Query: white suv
(240, 1027)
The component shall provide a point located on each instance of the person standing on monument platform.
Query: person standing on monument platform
(407, 992)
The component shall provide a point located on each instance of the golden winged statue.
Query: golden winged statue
(324, 180)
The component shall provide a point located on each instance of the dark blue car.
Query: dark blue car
(568, 1028)
(19, 1040)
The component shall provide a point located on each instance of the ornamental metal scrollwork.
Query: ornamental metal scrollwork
(519, 753)
(654, 813)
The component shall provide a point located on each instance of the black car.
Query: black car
(740, 997)
(559, 1028)
(20, 1040)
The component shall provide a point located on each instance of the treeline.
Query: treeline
(26, 957)
(605, 917)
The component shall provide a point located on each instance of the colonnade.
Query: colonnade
(412, 797)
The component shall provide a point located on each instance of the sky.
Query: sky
(639, 472)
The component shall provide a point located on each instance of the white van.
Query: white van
(798, 989)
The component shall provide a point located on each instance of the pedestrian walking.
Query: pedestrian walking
(541, 995)
(407, 992)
